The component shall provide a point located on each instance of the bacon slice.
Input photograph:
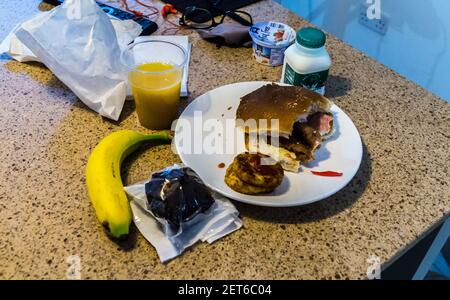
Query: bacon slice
(308, 134)
(321, 122)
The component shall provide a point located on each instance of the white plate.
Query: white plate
(343, 152)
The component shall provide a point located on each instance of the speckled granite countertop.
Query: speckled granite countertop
(46, 135)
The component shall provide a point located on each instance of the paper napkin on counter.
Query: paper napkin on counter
(15, 48)
(221, 219)
(181, 40)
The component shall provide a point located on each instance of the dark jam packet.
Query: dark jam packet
(177, 194)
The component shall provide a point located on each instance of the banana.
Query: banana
(103, 179)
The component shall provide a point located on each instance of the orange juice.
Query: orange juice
(156, 91)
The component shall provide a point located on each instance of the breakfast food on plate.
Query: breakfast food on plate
(103, 178)
(249, 174)
(304, 121)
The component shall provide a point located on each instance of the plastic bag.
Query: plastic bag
(126, 32)
(78, 43)
(174, 210)
(81, 45)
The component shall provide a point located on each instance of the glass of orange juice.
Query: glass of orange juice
(155, 71)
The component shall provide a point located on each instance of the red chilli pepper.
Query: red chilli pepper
(327, 173)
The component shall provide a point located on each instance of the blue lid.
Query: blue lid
(272, 34)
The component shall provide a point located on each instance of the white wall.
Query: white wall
(416, 43)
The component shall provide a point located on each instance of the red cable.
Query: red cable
(135, 12)
(139, 14)
(154, 11)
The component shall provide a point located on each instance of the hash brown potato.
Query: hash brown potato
(250, 169)
(246, 175)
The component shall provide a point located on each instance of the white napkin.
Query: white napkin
(15, 48)
(221, 219)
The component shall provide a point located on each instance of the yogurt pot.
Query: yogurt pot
(270, 40)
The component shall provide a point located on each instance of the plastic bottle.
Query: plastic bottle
(306, 62)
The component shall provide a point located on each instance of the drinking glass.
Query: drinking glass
(155, 72)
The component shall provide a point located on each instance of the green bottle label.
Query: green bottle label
(314, 81)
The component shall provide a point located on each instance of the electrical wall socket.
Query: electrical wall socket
(378, 25)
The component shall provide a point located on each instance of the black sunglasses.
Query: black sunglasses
(201, 18)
